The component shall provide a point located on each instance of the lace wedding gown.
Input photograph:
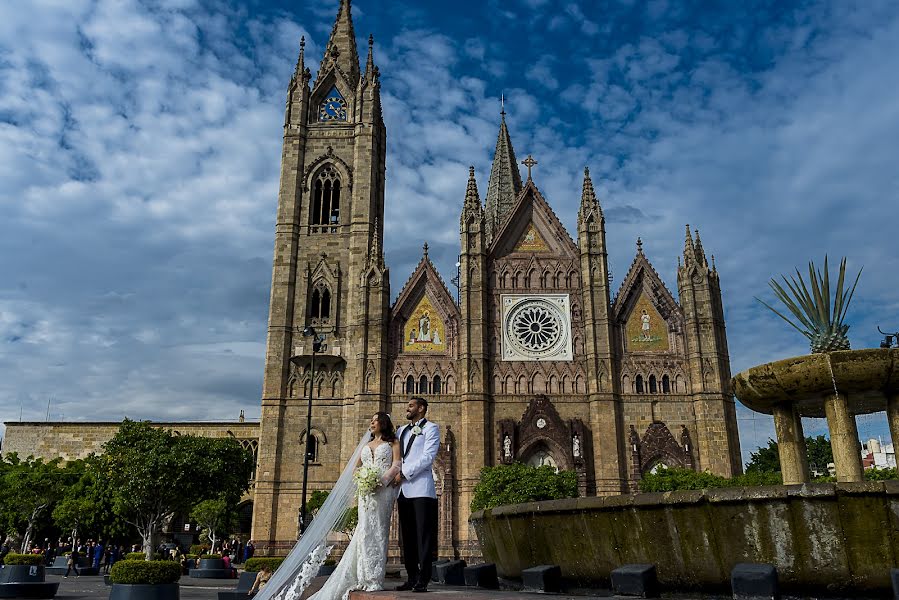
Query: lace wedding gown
(365, 561)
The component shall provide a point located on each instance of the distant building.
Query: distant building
(877, 454)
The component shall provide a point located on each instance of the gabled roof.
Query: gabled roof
(424, 277)
(531, 207)
(642, 276)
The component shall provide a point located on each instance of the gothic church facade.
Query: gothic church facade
(538, 361)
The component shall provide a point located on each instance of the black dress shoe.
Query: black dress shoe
(420, 588)
(405, 587)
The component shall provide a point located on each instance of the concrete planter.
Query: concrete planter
(211, 563)
(21, 574)
(25, 581)
(820, 537)
(140, 591)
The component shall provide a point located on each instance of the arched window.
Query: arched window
(311, 446)
(423, 385)
(653, 385)
(326, 304)
(320, 303)
(639, 382)
(410, 385)
(435, 387)
(666, 384)
(315, 311)
(325, 213)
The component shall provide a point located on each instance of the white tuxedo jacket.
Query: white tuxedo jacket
(418, 476)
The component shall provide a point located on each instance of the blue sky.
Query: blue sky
(140, 146)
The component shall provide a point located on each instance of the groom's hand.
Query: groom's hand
(398, 479)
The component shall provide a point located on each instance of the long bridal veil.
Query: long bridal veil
(313, 547)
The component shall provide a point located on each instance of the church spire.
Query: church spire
(472, 205)
(341, 49)
(505, 180)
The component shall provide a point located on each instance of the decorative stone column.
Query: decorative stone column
(893, 417)
(791, 444)
(847, 457)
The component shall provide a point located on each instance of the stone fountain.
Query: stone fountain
(833, 381)
(836, 385)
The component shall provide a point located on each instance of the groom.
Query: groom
(417, 502)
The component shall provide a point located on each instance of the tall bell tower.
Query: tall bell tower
(328, 274)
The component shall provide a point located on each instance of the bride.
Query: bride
(364, 562)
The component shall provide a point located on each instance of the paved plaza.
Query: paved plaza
(93, 588)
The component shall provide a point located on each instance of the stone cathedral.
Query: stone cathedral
(539, 361)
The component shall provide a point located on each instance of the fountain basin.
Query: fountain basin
(867, 377)
(821, 537)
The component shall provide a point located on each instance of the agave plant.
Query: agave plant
(815, 318)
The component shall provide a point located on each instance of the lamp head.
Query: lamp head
(308, 331)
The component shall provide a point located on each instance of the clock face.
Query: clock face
(333, 108)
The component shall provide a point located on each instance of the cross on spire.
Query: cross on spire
(529, 162)
(425, 249)
(502, 105)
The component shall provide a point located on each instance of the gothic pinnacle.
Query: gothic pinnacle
(700, 253)
(639, 245)
(588, 195)
(370, 62)
(689, 250)
(301, 61)
(340, 51)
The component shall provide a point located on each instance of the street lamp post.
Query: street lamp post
(317, 343)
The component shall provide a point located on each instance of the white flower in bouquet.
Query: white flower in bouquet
(367, 480)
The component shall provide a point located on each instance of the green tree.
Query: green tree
(767, 458)
(820, 454)
(31, 488)
(764, 460)
(87, 504)
(154, 474)
(215, 517)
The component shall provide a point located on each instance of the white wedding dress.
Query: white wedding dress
(364, 563)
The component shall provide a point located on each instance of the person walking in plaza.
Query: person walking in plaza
(72, 563)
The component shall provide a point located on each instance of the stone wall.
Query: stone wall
(821, 537)
(74, 440)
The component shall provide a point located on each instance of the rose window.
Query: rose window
(536, 328)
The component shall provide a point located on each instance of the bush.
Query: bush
(209, 556)
(517, 483)
(199, 549)
(153, 572)
(877, 474)
(135, 556)
(24, 559)
(254, 565)
(191, 556)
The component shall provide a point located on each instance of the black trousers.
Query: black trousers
(418, 536)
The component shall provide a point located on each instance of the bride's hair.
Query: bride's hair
(388, 431)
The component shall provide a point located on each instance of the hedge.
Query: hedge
(517, 483)
(210, 556)
(135, 556)
(672, 479)
(24, 559)
(153, 572)
(199, 549)
(254, 565)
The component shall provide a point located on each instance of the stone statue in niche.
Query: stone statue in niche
(507, 447)
(576, 446)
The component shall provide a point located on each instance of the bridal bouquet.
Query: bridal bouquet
(367, 480)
